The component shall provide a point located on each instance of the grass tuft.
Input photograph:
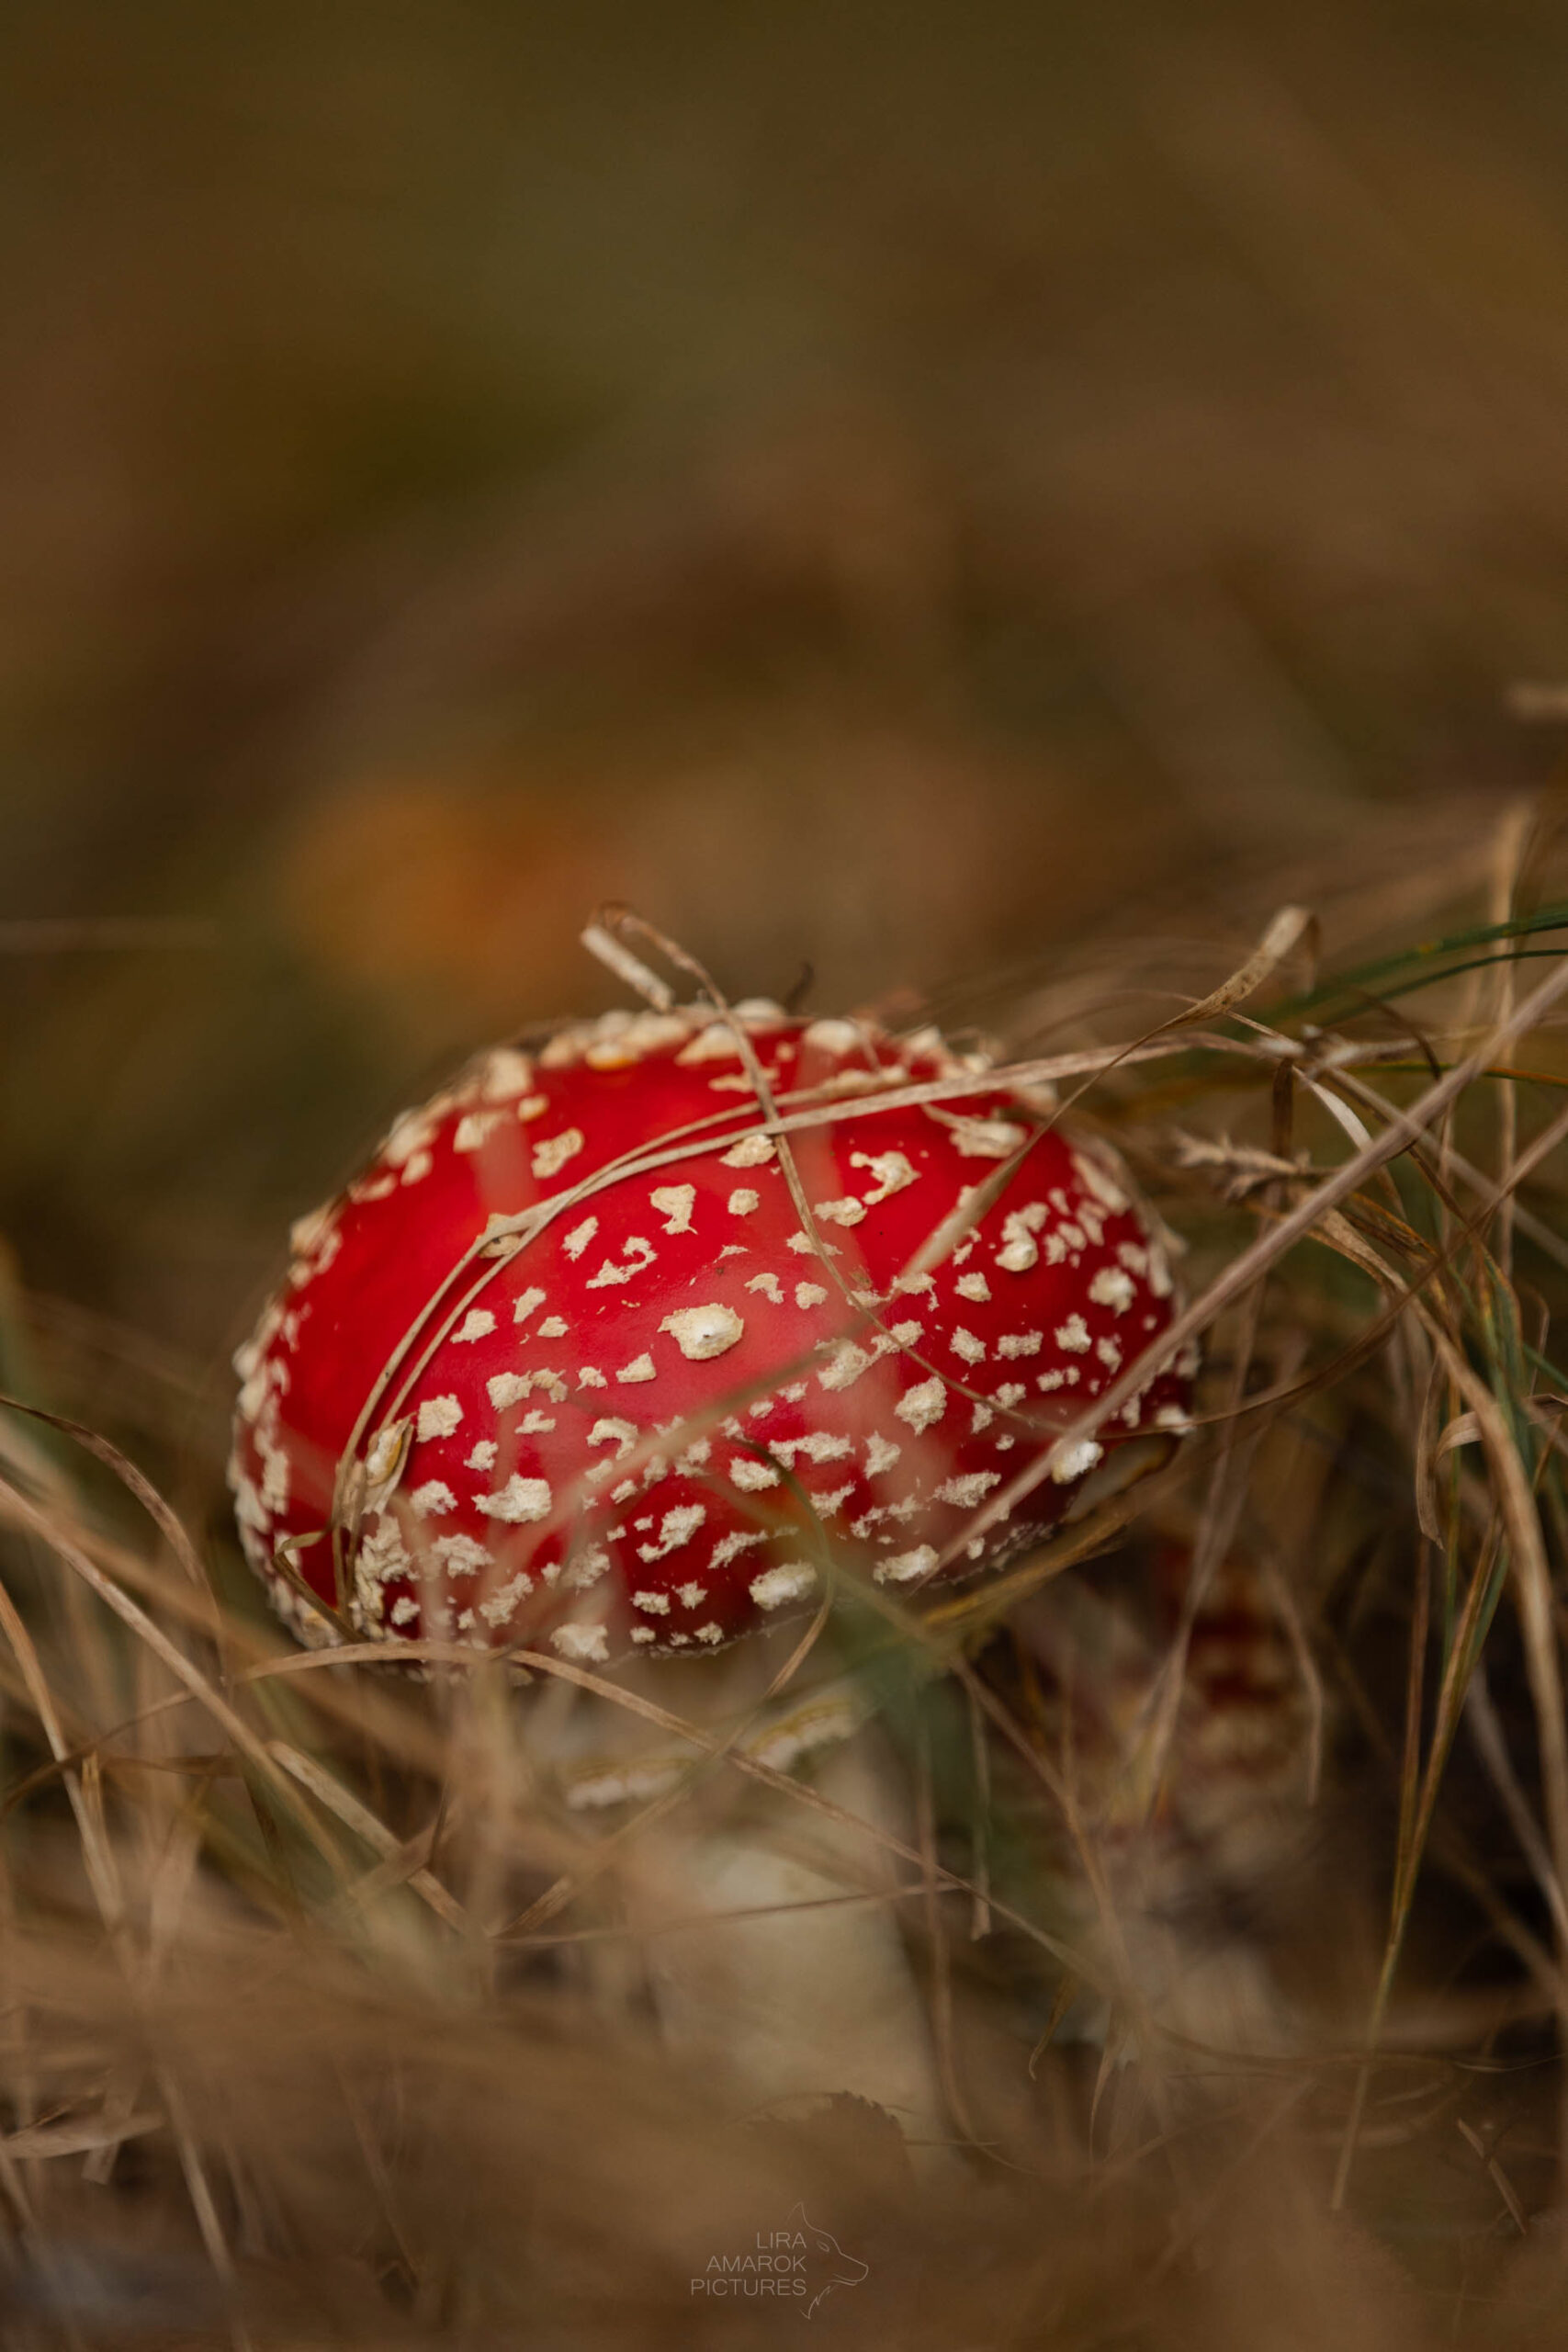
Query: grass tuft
(1227, 1840)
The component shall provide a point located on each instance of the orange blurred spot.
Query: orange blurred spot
(417, 884)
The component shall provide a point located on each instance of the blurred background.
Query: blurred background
(899, 492)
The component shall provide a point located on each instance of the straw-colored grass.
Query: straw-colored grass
(1233, 1862)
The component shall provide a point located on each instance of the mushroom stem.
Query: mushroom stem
(786, 1977)
(769, 1931)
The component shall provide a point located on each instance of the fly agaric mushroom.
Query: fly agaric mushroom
(592, 1353)
(619, 1344)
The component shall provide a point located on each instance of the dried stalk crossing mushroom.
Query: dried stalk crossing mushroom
(568, 1364)
(626, 1344)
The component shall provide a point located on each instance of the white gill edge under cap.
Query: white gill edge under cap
(790, 1730)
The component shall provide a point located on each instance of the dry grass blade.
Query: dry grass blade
(1142, 1781)
(1404, 1128)
(329, 1791)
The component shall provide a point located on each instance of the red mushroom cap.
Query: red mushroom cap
(565, 1362)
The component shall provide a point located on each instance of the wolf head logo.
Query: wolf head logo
(843, 2269)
